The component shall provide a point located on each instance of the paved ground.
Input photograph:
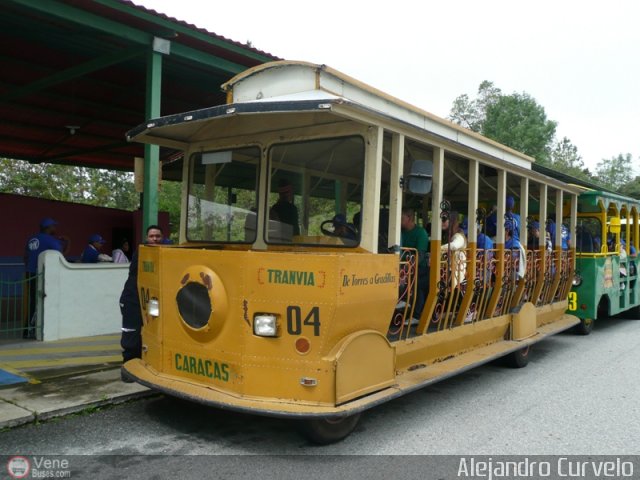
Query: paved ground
(579, 395)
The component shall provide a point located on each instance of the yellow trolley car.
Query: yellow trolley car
(290, 293)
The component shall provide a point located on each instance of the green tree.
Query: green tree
(103, 188)
(515, 120)
(631, 188)
(615, 172)
(519, 122)
(470, 113)
(565, 159)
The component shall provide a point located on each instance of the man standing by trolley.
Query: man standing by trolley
(44, 240)
(131, 341)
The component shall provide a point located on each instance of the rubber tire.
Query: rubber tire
(518, 359)
(325, 431)
(585, 327)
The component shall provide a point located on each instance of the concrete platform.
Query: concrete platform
(41, 360)
(65, 395)
(12, 415)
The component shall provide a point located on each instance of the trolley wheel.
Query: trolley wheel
(324, 431)
(585, 327)
(518, 359)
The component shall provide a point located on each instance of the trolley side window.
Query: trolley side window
(588, 235)
(223, 196)
(315, 192)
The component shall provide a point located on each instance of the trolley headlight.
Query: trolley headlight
(153, 307)
(265, 325)
(577, 280)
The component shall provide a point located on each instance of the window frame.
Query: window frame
(269, 161)
(191, 170)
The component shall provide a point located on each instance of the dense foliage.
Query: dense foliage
(518, 121)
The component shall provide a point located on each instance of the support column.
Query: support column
(437, 189)
(472, 226)
(543, 210)
(573, 228)
(558, 234)
(542, 219)
(500, 239)
(524, 210)
(371, 194)
(524, 213)
(152, 152)
(395, 200)
(436, 239)
(502, 207)
(558, 250)
(472, 240)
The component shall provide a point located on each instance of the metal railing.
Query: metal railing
(18, 306)
(400, 326)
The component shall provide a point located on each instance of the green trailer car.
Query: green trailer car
(605, 278)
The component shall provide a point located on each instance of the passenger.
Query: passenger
(414, 236)
(513, 244)
(456, 244)
(533, 237)
(343, 229)
(284, 209)
(42, 241)
(513, 218)
(131, 340)
(92, 253)
(121, 255)
(482, 244)
(565, 235)
(584, 240)
(597, 244)
(483, 241)
(357, 220)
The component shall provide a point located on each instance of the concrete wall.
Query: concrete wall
(80, 299)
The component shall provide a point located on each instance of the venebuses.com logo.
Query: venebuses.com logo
(18, 467)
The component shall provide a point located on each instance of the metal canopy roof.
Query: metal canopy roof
(74, 77)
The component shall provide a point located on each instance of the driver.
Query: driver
(341, 228)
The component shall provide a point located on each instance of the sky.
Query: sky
(579, 59)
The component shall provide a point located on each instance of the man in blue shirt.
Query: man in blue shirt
(91, 253)
(512, 220)
(38, 243)
(565, 235)
(483, 243)
(45, 240)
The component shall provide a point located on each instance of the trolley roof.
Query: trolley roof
(327, 96)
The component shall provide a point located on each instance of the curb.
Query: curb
(63, 412)
(66, 395)
(35, 417)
